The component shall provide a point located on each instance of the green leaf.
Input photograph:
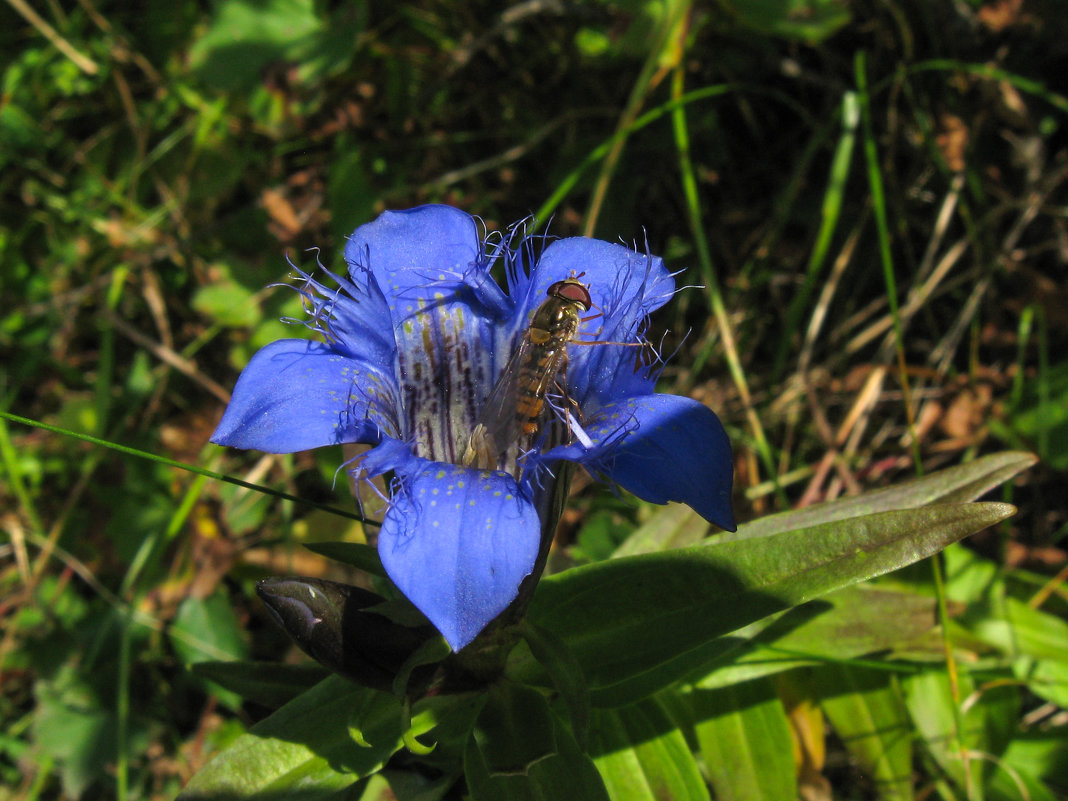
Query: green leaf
(228, 304)
(18, 129)
(519, 751)
(984, 725)
(565, 673)
(364, 557)
(1046, 678)
(1042, 419)
(868, 714)
(674, 526)
(602, 532)
(1037, 642)
(207, 629)
(746, 742)
(958, 484)
(72, 728)
(845, 624)
(306, 747)
(643, 756)
(445, 722)
(625, 617)
(248, 35)
(971, 578)
(810, 21)
(351, 190)
(1012, 784)
(1039, 758)
(268, 683)
(405, 785)
(515, 729)
(1020, 630)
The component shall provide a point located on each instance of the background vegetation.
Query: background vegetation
(868, 197)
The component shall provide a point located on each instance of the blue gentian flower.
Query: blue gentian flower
(415, 338)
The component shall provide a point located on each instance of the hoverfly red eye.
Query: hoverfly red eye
(571, 290)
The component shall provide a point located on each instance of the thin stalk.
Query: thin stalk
(665, 53)
(882, 227)
(105, 373)
(708, 276)
(602, 150)
(9, 458)
(152, 457)
(829, 215)
(989, 71)
(122, 709)
(649, 117)
(1044, 389)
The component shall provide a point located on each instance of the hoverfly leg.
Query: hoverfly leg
(481, 450)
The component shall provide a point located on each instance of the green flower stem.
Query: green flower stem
(152, 457)
(708, 275)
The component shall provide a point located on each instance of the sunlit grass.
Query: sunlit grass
(873, 227)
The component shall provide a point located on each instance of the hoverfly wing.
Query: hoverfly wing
(514, 405)
(497, 426)
(512, 414)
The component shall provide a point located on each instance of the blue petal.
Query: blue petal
(429, 263)
(295, 395)
(389, 454)
(626, 287)
(662, 448)
(458, 542)
(412, 252)
(624, 284)
(355, 319)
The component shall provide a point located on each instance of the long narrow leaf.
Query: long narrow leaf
(959, 484)
(746, 743)
(844, 625)
(520, 750)
(643, 756)
(868, 714)
(664, 604)
(310, 746)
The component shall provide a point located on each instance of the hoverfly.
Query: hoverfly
(511, 413)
